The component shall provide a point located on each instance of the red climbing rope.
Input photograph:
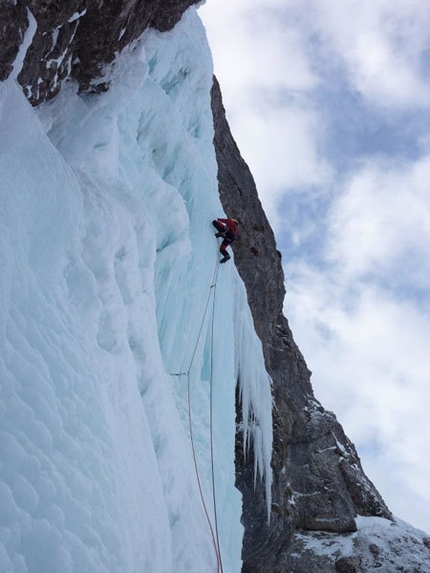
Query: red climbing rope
(214, 532)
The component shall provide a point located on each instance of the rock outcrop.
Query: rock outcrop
(75, 38)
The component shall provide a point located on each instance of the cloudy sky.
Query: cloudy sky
(329, 102)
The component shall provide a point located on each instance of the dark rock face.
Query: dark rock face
(318, 480)
(13, 23)
(76, 38)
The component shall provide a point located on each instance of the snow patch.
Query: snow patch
(77, 15)
(26, 43)
(380, 545)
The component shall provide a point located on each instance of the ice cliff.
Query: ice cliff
(155, 413)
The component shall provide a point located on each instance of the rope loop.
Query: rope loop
(214, 532)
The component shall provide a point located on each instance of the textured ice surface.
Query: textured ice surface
(107, 257)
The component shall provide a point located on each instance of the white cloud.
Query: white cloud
(402, 484)
(381, 44)
(262, 57)
(265, 73)
(252, 47)
(381, 222)
(291, 159)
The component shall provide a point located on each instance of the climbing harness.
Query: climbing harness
(213, 528)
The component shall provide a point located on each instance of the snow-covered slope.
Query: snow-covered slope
(378, 546)
(110, 298)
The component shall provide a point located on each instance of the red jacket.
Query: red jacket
(230, 225)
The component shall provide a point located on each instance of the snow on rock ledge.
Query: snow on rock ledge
(378, 546)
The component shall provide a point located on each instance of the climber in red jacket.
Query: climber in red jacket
(228, 229)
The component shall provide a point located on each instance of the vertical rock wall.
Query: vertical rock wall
(318, 480)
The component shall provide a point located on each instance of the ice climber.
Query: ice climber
(228, 229)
